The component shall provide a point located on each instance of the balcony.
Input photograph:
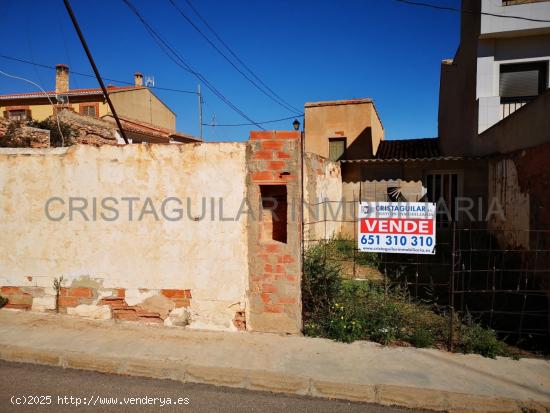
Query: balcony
(496, 27)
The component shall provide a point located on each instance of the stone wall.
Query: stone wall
(20, 134)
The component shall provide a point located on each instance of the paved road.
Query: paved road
(23, 380)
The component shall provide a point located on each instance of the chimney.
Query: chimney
(61, 79)
(138, 79)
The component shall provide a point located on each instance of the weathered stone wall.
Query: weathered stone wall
(144, 266)
(23, 135)
(90, 131)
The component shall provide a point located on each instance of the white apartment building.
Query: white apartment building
(501, 65)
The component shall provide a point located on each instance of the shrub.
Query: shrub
(3, 301)
(476, 339)
(349, 310)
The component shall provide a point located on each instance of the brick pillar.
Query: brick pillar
(274, 195)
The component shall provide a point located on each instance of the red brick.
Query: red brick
(285, 259)
(63, 292)
(269, 288)
(121, 293)
(284, 134)
(10, 290)
(173, 293)
(83, 292)
(262, 176)
(268, 268)
(288, 178)
(187, 293)
(291, 278)
(263, 155)
(276, 165)
(255, 135)
(274, 308)
(279, 268)
(286, 300)
(181, 302)
(276, 145)
(272, 248)
(68, 301)
(283, 155)
(266, 298)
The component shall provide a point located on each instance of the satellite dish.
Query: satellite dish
(62, 99)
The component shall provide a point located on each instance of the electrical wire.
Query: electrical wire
(47, 96)
(260, 123)
(16, 59)
(273, 98)
(455, 9)
(235, 55)
(178, 60)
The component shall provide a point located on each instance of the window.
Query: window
(522, 81)
(274, 212)
(18, 114)
(336, 148)
(443, 188)
(89, 110)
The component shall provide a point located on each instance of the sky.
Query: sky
(304, 50)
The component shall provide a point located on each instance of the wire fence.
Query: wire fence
(498, 278)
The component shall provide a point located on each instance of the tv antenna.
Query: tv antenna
(150, 81)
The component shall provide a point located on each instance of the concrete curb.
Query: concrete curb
(389, 395)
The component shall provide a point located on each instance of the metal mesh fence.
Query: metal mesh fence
(474, 273)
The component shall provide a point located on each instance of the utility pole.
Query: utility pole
(200, 108)
(94, 67)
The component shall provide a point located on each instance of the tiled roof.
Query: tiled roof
(72, 92)
(409, 149)
(338, 102)
(137, 126)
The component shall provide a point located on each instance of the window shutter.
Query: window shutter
(516, 84)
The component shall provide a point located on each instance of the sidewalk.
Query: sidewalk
(361, 371)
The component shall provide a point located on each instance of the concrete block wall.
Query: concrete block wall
(274, 260)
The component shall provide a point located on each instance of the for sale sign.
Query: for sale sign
(397, 227)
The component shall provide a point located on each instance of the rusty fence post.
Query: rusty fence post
(451, 288)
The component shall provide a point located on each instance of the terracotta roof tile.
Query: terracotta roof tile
(409, 149)
(72, 92)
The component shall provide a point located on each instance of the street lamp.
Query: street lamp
(296, 124)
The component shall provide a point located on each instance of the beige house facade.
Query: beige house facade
(135, 102)
(343, 129)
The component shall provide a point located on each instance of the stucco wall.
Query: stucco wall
(207, 258)
(357, 121)
(142, 104)
(324, 207)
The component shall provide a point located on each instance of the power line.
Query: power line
(274, 99)
(94, 67)
(16, 59)
(260, 123)
(47, 97)
(235, 55)
(455, 9)
(178, 60)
